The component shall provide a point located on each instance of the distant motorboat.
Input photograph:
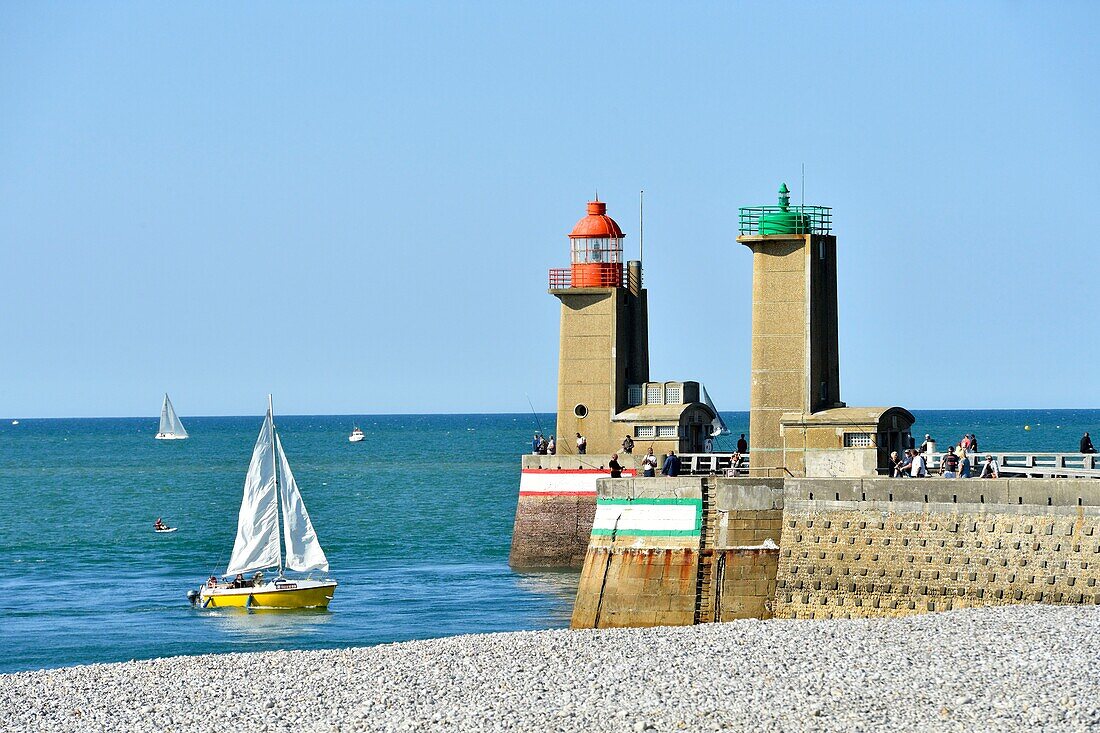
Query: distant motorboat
(170, 426)
(356, 436)
(14, 422)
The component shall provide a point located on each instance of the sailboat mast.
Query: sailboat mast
(275, 473)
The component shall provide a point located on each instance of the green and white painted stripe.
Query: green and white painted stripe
(648, 517)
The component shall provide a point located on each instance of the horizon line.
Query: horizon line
(473, 414)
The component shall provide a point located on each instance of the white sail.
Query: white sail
(717, 425)
(170, 425)
(303, 551)
(257, 544)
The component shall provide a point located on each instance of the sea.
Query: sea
(416, 521)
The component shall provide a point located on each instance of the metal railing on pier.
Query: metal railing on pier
(1030, 465)
(713, 464)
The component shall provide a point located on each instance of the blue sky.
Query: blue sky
(354, 205)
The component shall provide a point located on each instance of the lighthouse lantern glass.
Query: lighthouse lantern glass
(596, 250)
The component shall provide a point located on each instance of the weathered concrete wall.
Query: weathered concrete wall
(678, 551)
(882, 547)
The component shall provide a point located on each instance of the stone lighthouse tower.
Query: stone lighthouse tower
(799, 425)
(604, 333)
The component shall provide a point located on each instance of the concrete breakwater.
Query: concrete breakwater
(982, 669)
(698, 549)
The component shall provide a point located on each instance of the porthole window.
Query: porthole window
(580, 411)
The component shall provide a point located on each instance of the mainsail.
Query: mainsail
(257, 544)
(303, 551)
(169, 421)
(717, 425)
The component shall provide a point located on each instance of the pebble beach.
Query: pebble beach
(1009, 668)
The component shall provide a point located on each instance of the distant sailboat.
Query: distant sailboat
(170, 426)
(267, 494)
(717, 425)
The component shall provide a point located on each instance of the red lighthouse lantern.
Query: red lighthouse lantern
(596, 250)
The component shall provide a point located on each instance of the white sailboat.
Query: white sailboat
(170, 426)
(268, 493)
(717, 425)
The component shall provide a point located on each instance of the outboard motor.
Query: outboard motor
(193, 596)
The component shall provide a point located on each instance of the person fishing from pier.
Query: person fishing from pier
(929, 445)
(649, 464)
(1086, 444)
(582, 445)
(535, 443)
(906, 463)
(628, 445)
(895, 464)
(615, 466)
(742, 445)
(551, 446)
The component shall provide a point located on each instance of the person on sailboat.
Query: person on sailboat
(212, 581)
(238, 581)
(159, 524)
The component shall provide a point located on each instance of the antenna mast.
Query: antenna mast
(275, 475)
(641, 224)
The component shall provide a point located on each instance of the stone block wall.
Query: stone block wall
(746, 583)
(551, 531)
(883, 547)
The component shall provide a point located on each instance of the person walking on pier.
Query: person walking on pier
(950, 467)
(918, 468)
(990, 469)
(672, 464)
(1086, 444)
(628, 445)
(742, 445)
(964, 463)
(582, 445)
(615, 466)
(649, 464)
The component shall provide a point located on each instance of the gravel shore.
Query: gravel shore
(1011, 668)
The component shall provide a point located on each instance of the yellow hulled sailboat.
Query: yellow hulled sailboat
(270, 490)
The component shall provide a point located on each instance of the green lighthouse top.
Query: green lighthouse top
(784, 196)
(784, 218)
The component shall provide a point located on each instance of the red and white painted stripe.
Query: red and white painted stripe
(562, 482)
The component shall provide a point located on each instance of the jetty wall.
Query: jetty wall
(699, 549)
(679, 551)
(883, 547)
(557, 501)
